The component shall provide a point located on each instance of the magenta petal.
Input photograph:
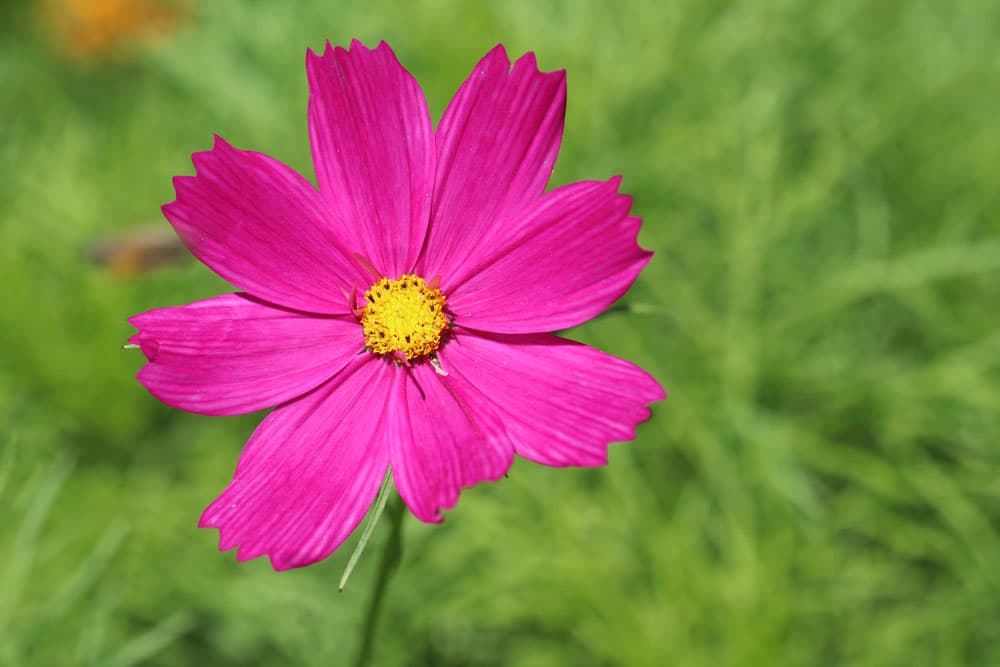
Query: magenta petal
(496, 146)
(437, 446)
(233, 354)
(561, 402)
(309, 473)
(576, 255)
(373, 148)
(265, 229)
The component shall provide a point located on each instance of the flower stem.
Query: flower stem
(374, 515)
(391, 556)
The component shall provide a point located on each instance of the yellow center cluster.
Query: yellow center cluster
(405, 316)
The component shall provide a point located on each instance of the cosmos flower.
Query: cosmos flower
(398, 314)
(86, 29)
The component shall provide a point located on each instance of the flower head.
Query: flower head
(398, 314)
(100, 28)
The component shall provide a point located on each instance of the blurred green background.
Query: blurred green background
(822, 486)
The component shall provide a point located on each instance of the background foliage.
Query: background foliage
(819, 181)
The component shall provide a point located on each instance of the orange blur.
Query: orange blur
(86, 29)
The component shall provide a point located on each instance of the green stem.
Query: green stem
(391, 555)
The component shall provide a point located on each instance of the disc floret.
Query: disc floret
(405, 316)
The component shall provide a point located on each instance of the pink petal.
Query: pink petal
(264, 228)
(496, 146)
(437, 446)
(560, 402)
(576, 254)
(309, 473)
(234, 354)
(373, 147)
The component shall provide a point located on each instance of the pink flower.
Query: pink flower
(398, 315)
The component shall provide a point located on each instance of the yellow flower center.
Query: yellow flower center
(404, 316)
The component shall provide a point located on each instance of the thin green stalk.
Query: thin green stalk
(391, 556)
(383, 497)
